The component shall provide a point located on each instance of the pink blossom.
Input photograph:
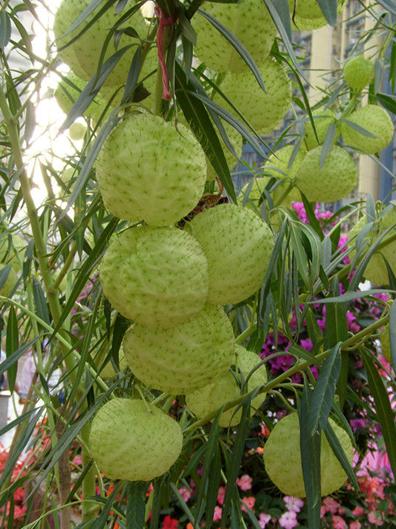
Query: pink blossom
(374, 518)
(185, 493)
(355, 525)
(248, 501)
(338, 522)
(221, 495)
(306, 344)
(329, 505)
(244, 482)
(293, 504)
(218, 513)
(352, 323)
(358, 511)
(264, 519)
(288, 520)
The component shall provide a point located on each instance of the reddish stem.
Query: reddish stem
(164, 22)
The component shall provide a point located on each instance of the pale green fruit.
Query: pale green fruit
(282, 458)
(376, 121)
(66, 95)
(133, 440)
(385, 343)
(9, 283)
(149, 170)
(236, 141)
(77, 131)
(307, 13)
(83, 55)
(248, 20)
(155, 276)
(238, 246)
(263, 110)
(323, 118)
(183, 358)
(12, 249)
(376, 270)
(358, 72)
(225, 389)
(332, 181)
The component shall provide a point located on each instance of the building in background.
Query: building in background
(324, 51)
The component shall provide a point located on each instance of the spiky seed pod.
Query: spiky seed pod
(9, 281)
(238, 246)
(323, 118)
(183, 358)
(376, 270)
(225, 389)
(133, 440)
(309, 13)
(385, 343)
(376, 121)
(83, 54)
(282, 458)
(270, 107)
(155, 276)
(332, 181)
(248, 20)
(358, 72)
(149, 170)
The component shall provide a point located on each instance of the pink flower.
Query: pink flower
(264, 519)
(355, 525)
(221, 495)
(358, 511)
(338, 522)
(329, 505)
(244, 482)
(293, 504)
(306, 344)
(218, 513)
(248, 501)
(288, 520)
(185, 493)
(374, 518)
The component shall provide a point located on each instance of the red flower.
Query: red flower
(170, 523)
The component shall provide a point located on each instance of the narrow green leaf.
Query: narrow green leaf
(387, 101)
(5, 29)
(385, 414)
(199, 120)
(133, 76)
(136, 494)
(340, 454)
(310, 445)
(358, 128)
(102, 520)
(12, 346)
(350, 296)
(328, 143)
(329, 9)
(40, 302)
(10, 360)
(321, 398)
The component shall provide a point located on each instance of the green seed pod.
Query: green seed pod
(248, 20)
(323, 118)
(155, 276)
(332, 181)
(225, 389)
(238, 246)
(358, 72)
(183, 358)
(282, 458)
(263, 110)
(376, 121)
(83, 54)
(149, 170)
(135, 441)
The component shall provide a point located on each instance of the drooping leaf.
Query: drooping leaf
(12, 346)
(136, 496)
(329, 9)
(5, 29)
